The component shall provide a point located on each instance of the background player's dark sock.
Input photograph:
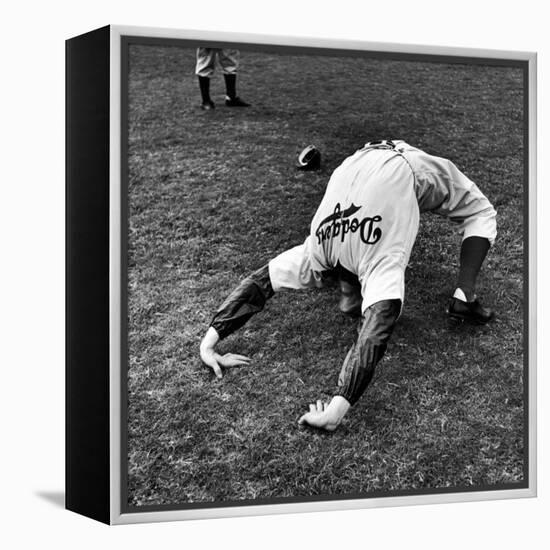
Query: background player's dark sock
(231, 85)
(204, 85)
(472, 254)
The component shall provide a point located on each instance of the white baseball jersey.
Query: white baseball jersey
(368, 219)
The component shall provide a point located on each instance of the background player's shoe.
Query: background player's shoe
(469, 312)
(207, 105)
(235, 102)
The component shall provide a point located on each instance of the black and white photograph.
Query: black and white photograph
(325, 272)
(275, 275)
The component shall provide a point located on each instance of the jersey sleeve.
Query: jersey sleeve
(370, 346)
(293, 269)
(290, 270)
(246, 300)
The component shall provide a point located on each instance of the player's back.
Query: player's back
(356, 220)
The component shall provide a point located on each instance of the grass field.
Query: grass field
(214, 195)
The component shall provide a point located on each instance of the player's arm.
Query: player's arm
(359, 365)
(246, 300)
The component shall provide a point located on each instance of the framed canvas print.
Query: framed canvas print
(300, 274)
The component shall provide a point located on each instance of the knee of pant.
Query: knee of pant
(483, 225)
(205, 72)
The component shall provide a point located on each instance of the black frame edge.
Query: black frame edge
(87, 451)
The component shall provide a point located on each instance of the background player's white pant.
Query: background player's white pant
(206, 60)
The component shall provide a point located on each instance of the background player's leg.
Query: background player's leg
(232, 99)
(230, 85)
(204, 69)
(229, 61)
(204, 85)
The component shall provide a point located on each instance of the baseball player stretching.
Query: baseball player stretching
(363, 233)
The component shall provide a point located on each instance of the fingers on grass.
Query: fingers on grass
(242, 358)
(234, 360)
(312, 408)
(238, 361)
(217, 370)
(319, 405)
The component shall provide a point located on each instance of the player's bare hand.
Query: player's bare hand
(210, 358)
(318, 417)
(216, 361)
(233, 360)
(326, 416)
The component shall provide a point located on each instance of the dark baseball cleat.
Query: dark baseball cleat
(350, 306)
(236, 102)
(207, 106)
(468, 312)
(350, 299)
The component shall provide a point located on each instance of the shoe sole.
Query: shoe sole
(455, 320)
(351, 312)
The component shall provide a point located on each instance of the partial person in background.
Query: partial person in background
(229, 62)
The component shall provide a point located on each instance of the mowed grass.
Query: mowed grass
(214, 195)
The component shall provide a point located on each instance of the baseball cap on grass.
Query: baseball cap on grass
(309, 158)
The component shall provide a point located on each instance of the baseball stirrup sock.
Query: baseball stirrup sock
(230, 85)
(204, 85)
(472, 255)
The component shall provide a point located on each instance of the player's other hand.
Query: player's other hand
(233, 360)
(209, 358)
(318, 417)
(326, 416)
(216, 361)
